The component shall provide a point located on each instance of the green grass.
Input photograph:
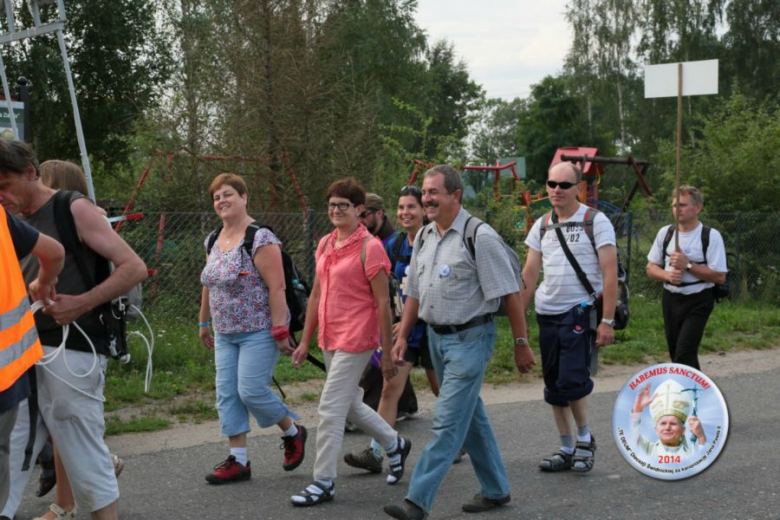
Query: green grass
(184, 367)
(144, 423)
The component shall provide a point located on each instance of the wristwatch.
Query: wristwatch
(611, 323)
(521, 341)
(688, 267)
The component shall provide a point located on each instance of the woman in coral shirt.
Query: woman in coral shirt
(350, 304)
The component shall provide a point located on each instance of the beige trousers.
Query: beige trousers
(342, 400)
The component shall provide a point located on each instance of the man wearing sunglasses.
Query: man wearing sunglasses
(566, 313)
(375, 220)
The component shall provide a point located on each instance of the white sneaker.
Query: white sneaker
(59, 513)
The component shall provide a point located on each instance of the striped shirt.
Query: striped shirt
(561, 289)
(453, 288)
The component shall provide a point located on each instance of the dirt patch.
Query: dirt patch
(610, 379)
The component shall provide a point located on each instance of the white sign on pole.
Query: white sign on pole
(699, 78)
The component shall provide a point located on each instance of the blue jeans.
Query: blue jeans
(245, 365)
(459, 418)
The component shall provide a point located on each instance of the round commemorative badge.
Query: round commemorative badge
(670, 421)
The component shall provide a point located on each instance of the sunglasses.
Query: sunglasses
(341, 206)
(367, 213)
(410, 190)
(563, 185)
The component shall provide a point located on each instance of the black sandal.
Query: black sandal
(583, 459)
(560, 461)
(313, 495)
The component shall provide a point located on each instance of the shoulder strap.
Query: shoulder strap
(363, 250)
(705, 241)
(667, 241)
(213, 238)
(397, 245)
(573, 261)
(66, 228)
(249, 235)
(424, 231)
(470, 235)
(590, 217)
(543, 226)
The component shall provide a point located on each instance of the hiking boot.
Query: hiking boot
(480, 504)
(407, 511)
(364, 460)
(229, 471)
(294, 449)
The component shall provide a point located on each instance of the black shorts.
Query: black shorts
(420, 356)
(566, 342)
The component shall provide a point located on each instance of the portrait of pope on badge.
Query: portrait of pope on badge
(670, 407)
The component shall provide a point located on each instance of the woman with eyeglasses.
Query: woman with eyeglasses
(351, 305)
(410, 216)
(243, 296)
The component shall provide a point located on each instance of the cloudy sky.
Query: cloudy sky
(508, 45)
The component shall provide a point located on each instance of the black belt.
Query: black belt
(473, 322)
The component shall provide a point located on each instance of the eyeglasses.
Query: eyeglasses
(342, 206)
(411, 190)
(367, 212)
(563, 185)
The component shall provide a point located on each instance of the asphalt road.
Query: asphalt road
(744, 483)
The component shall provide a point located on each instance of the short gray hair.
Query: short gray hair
(452, 179)
(16, 157)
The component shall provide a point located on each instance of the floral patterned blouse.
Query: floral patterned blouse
(238, 295)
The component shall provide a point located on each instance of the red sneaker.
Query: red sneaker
(294, 449)
(229, 471)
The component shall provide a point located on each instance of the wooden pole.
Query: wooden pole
(679, 144)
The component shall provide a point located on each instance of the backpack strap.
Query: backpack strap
(705, 241)
(573, 261)
(590, 217)
(396, 249)
(470, 235)
(213, 236)
(544, 225)
(666, 242)
(66, 228)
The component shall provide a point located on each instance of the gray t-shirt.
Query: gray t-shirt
(451, 286)
(70, 281)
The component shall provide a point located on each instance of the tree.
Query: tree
(119, 59)
(494, 131)
(551, 120)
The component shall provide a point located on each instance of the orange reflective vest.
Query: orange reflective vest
(19, 345)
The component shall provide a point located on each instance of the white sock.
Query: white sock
(292, 431)
(393, 447)
(240, 455)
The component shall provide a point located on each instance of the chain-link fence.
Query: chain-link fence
(752, 246)
(172, 245)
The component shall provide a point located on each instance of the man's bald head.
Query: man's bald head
(567, 168)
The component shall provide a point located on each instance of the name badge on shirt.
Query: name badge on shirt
(444, 270)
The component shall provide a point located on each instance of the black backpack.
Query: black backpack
(721, 291)
(296, 290)
(112, 314)
(622, 313)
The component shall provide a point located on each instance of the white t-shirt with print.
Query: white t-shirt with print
(691, 246)
(561, 289)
